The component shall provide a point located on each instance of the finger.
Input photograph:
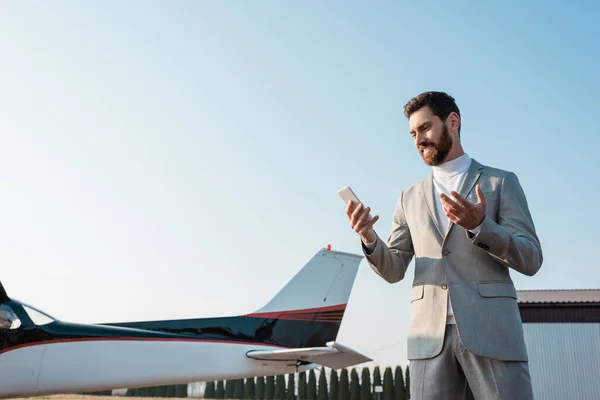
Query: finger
(371, 222)
(364, 216)
(448, 202)
(452, 216)
(349, 208)
(461, 200)
(454, 212)
(356, 213)
(451, 212)
(480, 196)
(359, 216)
(368, 224)
(363, 220)
(454, 220)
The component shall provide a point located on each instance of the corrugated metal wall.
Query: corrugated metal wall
(571, 313)
(564, 360)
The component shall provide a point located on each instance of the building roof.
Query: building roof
(556, 296)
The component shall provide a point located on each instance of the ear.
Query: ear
(453, 122)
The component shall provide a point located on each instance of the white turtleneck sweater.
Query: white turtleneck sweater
(446, 178)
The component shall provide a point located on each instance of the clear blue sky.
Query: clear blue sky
(181, 159)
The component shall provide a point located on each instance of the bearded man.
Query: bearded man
(467, 225)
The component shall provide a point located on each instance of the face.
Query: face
(432, 136)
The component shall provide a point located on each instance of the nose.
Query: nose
(420, 137)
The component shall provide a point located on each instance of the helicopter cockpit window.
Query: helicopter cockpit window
(8, 319)
(39, 318)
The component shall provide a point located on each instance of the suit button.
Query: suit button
(444, 286)
(445, 252)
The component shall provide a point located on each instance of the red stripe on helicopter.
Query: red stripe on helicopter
(320, 314)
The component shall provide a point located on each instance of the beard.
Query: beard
(438, 151)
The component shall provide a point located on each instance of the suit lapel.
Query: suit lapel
(468, 183)
(428, 195)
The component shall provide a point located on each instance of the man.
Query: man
(7, 317)
(466, 225)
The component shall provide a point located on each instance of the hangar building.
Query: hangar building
(562, 333)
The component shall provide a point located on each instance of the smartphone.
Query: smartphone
(347, 194)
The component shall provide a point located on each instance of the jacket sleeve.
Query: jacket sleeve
(390, 260)
(513, 239)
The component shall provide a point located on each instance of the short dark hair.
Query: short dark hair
(440, 104)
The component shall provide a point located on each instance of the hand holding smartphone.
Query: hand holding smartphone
(347, 194)
(361, 225)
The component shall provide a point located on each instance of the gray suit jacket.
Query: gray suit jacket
(472, 269)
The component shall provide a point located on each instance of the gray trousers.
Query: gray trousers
(457, 374)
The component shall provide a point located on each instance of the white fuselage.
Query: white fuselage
(93, 365)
